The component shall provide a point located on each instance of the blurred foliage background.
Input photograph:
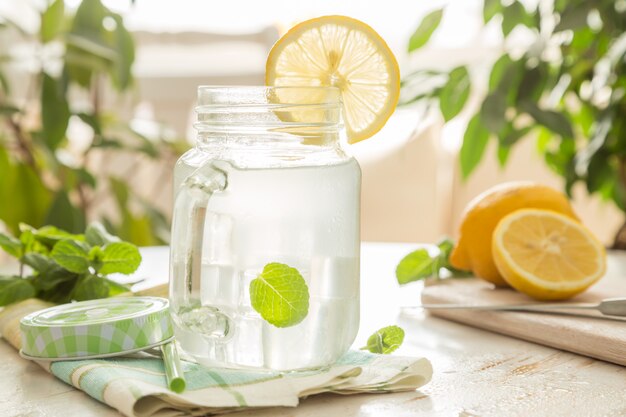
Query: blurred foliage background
(48, 177)
(565, 89)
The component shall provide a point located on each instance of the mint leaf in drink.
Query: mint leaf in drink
(385, 340)
(14, 289)
(119, 257)
(280, 295)
(11, 245)
(421, 264)
(71, 255)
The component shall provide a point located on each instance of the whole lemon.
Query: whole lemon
(481, 216)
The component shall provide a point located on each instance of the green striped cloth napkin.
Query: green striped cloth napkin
(136, 386)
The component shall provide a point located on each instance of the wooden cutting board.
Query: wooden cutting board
(589, 335)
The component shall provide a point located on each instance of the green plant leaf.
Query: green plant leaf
(573, 18)
(125, 46)
(97, 235)
(87, 50)
(86, 177)
(64, 214)
(119, 257)
(533, 83)
(11, 245)
(8, 109)
(454, 93)
(490, 9)
(513, 135)
(91, 120)
(38, 262)
(90, 287)
(596, 144)
(71, 255)
(513, 15)
(473, 147)
(385, 340)
(55, 111)
(420, 264)
(49, 235)
(493, 110)
(56, 283)
(16, 205)
(415, 266)
(445, 247)
(553, 120)
(115, 288)
(599, 171)
(280, 295)
(425, 30)
(500, 68)
(503, 155)
(14, 289)
(4, 83)
(52, 21)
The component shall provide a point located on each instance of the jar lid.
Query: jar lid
(96, 328)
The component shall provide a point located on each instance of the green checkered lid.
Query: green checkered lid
(105, 327)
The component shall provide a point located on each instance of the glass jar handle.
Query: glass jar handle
(186, 252)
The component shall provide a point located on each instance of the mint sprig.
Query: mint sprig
(421, 264)
(65, 266)
(385, 340)
(280, 295)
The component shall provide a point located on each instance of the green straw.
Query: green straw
(173, 369)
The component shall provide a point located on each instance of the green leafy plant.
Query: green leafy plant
(567, 87)
(280, 295)
(423, 264)
(385, 340)
(80, 57)
(59, 266)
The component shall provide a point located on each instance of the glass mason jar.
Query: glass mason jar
(267, 182)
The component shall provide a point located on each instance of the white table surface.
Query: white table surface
(476, 373)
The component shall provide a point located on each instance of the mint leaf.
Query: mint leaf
(47, 235)
(38, 261)
(71, 255)
(11, 245)
(385, 340)
(14, 289)
(280, 295)
(97, 235)
(51, 278)
(119, 257)
(420, 264)
(115, 288)
(91, 287)
(415, 266)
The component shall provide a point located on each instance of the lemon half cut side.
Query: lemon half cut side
(547, 255)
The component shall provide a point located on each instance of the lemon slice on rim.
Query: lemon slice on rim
(547, 255)
(345, 53)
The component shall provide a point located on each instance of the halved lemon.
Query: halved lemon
(547, 255)
(346, 53)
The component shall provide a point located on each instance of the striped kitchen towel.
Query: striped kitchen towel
(136, 386)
